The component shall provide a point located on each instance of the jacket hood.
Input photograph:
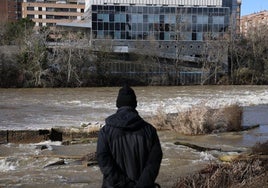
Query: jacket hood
(126, 118)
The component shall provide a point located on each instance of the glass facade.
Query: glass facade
(159, 23)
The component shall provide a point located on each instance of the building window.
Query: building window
(31, 16)
(49, 24)
(162, 23)
(193, 36)
(61, 17)
(73, 10)
(30, 8)
(48, 9)
(49, 16)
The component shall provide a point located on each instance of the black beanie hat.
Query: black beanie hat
(126, 97)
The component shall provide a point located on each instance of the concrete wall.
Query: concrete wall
(36, 136)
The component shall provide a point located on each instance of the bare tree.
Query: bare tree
(214, 59)
(32, 57)
(249, 57)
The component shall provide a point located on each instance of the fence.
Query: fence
(156, 73)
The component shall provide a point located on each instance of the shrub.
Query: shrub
(200, 120)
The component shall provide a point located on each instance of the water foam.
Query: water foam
(8, 164)
(204, 157)
(218, 100)
(74, 108)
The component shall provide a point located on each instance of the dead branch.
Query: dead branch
(196, 147)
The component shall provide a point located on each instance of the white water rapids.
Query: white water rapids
(45, 108)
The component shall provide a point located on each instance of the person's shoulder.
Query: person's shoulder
(149, 125)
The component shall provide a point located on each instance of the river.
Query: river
(22, 165)
(45, 108)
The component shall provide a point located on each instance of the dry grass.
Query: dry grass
(224, 175)
(161, 120)
(260, 148)
(201, 120)
(246, 172)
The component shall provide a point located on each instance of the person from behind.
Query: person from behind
(128, 149)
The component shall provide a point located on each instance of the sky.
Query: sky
(253, 6)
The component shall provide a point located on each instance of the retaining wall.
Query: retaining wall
(35, 136)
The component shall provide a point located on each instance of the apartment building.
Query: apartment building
(51, 12)
(10, 10)
(249, 22)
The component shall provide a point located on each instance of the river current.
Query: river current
(45, 108)
(25, 165)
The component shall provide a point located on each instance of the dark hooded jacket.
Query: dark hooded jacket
(128, 151)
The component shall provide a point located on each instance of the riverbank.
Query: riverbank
(72, 164)
(246, 170)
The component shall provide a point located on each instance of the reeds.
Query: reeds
(200, 119)
(223, 175)
(248, 171)
(260, 148)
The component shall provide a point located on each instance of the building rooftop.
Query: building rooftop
(159, 2)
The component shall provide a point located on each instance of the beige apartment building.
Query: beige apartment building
(252, 21)
(51, 12)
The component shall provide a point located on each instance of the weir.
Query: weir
(41, 135)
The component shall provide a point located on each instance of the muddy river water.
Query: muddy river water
(25, 165)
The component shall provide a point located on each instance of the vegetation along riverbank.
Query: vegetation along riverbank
(27, 60)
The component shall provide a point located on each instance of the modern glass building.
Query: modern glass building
(160, 23)
(171, 28)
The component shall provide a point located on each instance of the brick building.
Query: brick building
(51, 12)
(10, 10)
(249, 22)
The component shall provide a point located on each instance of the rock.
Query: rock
(57, 163)
(84, 125)
(41, 147)
(228, 158)
(90, 163)
(89, 159)
(3, 137)
(56, 135)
